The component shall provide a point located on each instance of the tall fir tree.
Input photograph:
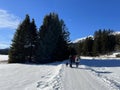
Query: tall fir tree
(31, 42)
(51, 38)
(117, 45)
(88, 45)
(17, 52)
(104, 42)
(79, 48)
(112, 43)
(24, 42)
(97, 42)
(61, 51)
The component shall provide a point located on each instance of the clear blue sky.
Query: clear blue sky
(82, 17)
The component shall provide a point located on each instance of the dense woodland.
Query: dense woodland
(4, 51)
(103, 42)
(51, 42)
(48, 44)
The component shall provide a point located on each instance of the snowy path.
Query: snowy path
(81, 79)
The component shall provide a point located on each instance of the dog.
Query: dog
(66, 64)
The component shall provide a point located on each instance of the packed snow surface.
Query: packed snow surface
(92, 74)
(3, 57)
(29, 77)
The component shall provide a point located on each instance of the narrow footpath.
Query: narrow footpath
(80, 79)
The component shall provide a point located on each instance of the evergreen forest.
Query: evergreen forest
(48, 44)
(51, 42)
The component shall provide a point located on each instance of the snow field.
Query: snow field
(3, 57)
(30, 77)
(92, 74)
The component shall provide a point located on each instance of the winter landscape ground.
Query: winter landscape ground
(92, 74)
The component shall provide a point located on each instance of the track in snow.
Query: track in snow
(81, 79)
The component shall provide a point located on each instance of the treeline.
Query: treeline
(103, 42)
(48, 44)
(4, 51)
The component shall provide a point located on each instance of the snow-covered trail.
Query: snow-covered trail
(81, 79)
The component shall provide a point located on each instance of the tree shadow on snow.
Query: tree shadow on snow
(100, 63)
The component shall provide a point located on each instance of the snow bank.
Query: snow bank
(30, 77)
(3, 58)
(51, 81)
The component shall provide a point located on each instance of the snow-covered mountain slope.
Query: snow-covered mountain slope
(83, 38)
(91, 74)
(116, 33)
(80, 39)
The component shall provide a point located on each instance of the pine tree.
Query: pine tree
(17, 52)
(51, 39)
(87, 46)
(80, 48)
(104, 42)
(31, 44)
(47, 39)
(97, 42)
(111, 43)
(72, 49)
(61, 51)
(117, 45)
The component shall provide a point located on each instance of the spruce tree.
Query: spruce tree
(87, 46)
(17, 52)
(61, 51)
(72, 49)
(47, 39)
(117, 45)
(31, 42)
(97, 42)
(104, 42)
(52, 38)
(112, 43)
(80, 48)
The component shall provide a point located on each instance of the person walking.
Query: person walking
(70, 58)
(77, 60)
